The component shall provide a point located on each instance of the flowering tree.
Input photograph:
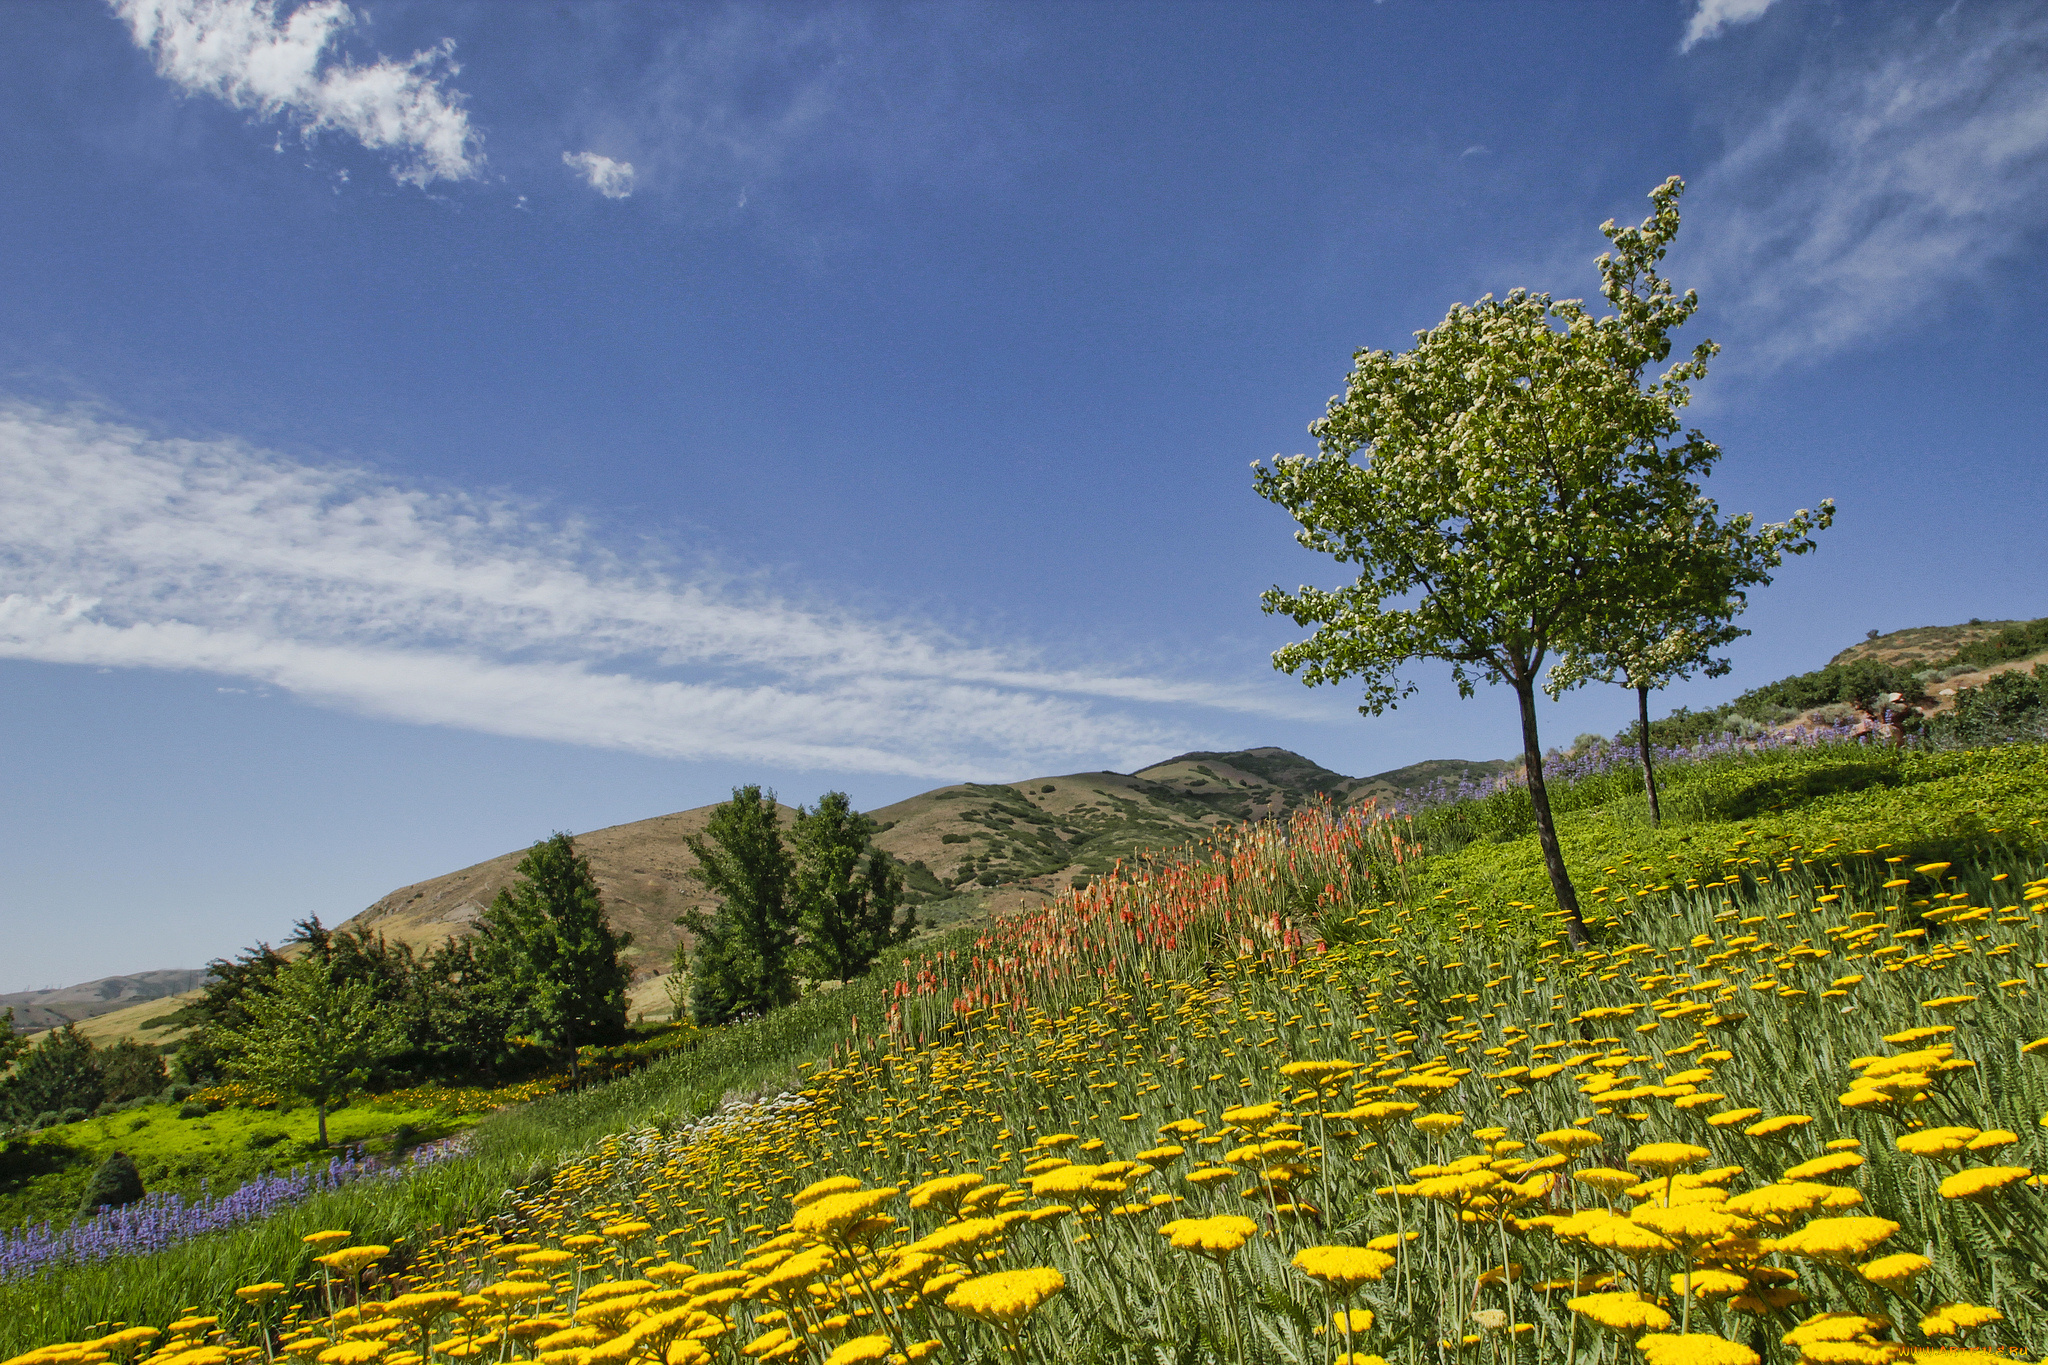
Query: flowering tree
(1691, 577)
(1495, 485)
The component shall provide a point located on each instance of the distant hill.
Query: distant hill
(1922, 644)
(970, 850)
(36, 1010)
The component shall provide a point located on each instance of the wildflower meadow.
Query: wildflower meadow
(1289, 1097)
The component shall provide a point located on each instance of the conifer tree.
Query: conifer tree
(551, 954)
(740, 961)
(848, 891)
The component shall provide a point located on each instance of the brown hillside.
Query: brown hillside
(971, 849)
(1922, 644)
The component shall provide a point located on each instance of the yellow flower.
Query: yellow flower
(1606, 1179)
(1947, 1319)
(626, 1232)
(1355, 1321)
(353, 1353)
(1709, 1283)
(818, 1189)
(1691, 1223)
(832, 1214)
(858, 1350)
(351, 1260)
(1007, 1297)
(1833, 1327)
(327, 1238)
(1936, 1142)
(1693, 1348)
(1893, 1271)
(259, 1294)
(1727, 1118)
(1436, 1125)
(1621, 1312)
(1838, 1238)
(946, 1191)
(1992, 1138)
(1216, 1237)
(1664, 1157)
(1569, 1141)
(1824, 1165)
(1629, 1238)
(1342, 1269)
(1981, 1180)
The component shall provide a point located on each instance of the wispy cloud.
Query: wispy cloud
(1907, 160)
(1711, 16)
(244, 53)
(125, 550)
(612, 179)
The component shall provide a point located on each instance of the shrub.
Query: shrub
(115, 1184)
(191, 1110)
(75, 1115)
(49, 1118)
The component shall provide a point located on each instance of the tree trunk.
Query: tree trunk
(1546, 831)
(320, 1108)
(1643, 747)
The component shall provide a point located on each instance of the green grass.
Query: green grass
(511, 1148)
(1960, 807)
(43, 1175)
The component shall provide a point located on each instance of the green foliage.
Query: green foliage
(1961, 807)
(740, 963)
(131, 1071)
(551, 956)
(848, 892)
(61, 1071)
(1526, 493)
(314, 1036)
(116, 1183)
(1860, 682)
(2010, 707)
(11, 1043)
(2017, 641)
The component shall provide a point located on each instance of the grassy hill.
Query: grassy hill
(35, 1010)
(971, 849)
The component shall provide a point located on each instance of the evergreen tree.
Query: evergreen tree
(115, 1184)
(220, 1006)
(131, 1071)
(740, 961)
(11, 1043)
(61, 1071)
(551, 954)
(847, 912)
(314, 1036)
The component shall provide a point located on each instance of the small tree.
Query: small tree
(1515, 457)
(847, 911)
(11, 1043)
(312, 1036)
(60, 1071)
(551, 953)
(740, 960)
(1690, 584)
(131, 1070)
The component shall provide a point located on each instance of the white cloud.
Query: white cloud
(243, 53)
(612, 179)
(128, 551)
(1901, 164)
(1714, 15)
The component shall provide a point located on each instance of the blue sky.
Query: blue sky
(427, 426)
